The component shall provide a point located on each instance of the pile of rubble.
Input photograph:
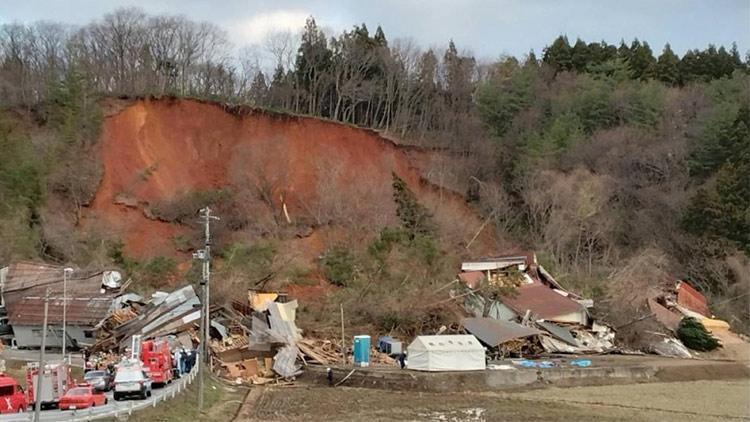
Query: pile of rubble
(539, 316)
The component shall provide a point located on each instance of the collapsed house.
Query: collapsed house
(166, 314)
(537, 315)
(677, 301)
(90, 295)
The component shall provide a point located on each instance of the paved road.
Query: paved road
(121, 407)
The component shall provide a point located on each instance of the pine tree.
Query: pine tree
(668, 66)
(559, 55)
(415, 218)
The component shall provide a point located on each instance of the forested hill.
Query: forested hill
(600, 157)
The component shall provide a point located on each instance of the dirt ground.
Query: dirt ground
(679, 401)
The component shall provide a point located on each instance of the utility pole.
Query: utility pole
(66, 271)
(205, 325)
(40, 370)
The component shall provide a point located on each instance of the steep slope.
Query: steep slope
(156, 151)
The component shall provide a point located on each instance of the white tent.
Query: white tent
(446, 353)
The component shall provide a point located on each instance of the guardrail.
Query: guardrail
(123, 408)
(129, 407)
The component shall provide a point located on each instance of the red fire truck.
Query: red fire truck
(12, 396)
(55, 380)
(157, 361)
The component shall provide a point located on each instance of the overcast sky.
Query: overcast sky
(488, 28)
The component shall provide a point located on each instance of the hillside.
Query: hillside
(162, 157)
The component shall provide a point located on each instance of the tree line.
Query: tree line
(354, 77)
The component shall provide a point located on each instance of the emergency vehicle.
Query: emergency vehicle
(157, 361)
(12, 397)
(55, 381)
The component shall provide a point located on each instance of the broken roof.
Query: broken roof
(84, 311)
(493, 332)
(32, 279)
(692, 299)
(545, 303)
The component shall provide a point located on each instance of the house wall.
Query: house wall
(31, 336)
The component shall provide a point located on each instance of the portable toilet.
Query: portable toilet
(362, 350)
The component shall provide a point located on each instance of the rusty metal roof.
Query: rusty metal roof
(692, 299)
(541, 301)
(86, 311)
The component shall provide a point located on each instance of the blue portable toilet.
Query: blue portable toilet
(362, 350)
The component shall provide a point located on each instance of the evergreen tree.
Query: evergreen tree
(580, 55)
(415, 218)
(641, 60)
(559, 55)
(668, 66)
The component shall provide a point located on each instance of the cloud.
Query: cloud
(254, 29)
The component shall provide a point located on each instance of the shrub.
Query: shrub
(338, 265)
(695, 336)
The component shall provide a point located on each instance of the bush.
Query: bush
(338, 265)
(695, 336)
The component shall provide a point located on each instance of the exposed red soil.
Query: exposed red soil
(157, 150)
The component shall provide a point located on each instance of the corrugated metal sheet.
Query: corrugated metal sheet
(80, 311)
(692, 299)
(545, 304)
(560, 332)
(493, 332)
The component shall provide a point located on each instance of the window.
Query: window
(6, 390)
(88, 333)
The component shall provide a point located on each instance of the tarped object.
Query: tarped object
(260, 301)
(581, 363)
(112, 279)
(446, 353)
(559, 332)
(284, 363)
(666, 317)
(493, 332)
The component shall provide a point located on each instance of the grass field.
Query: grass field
(681, 401)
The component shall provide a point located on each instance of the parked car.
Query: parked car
(131, 380)
(81, 397)
(100, 380)
(12, 397)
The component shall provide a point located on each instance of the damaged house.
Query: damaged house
(89, 295)
(536, 291)
(532, 313)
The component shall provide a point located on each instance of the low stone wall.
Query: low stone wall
(527, 378)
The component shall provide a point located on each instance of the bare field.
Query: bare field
(680, 401)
